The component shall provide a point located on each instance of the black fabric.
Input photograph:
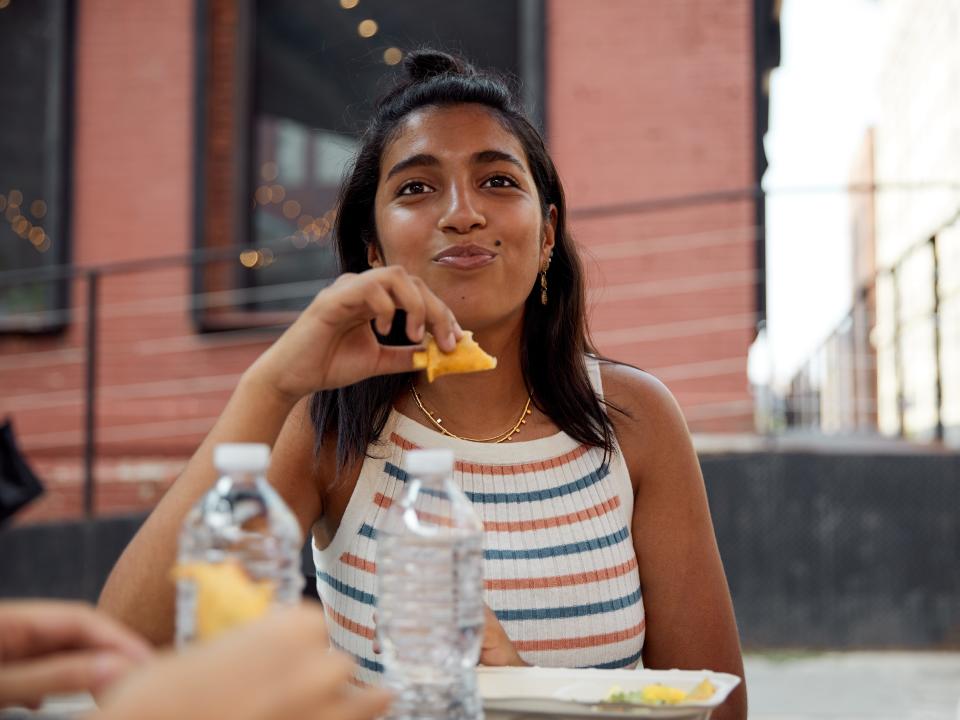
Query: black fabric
(18, 484)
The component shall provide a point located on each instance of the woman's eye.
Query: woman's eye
(413, 188)
(499, 181)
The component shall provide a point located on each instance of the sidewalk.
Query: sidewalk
(854, 686)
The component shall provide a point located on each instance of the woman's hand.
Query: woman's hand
(51, 647)
(279, 668)
(331, 344)
(497, 649)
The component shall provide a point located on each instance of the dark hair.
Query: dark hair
(555, 335)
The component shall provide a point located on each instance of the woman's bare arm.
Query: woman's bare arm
(139, 591)
(330, 345)
(689, 614)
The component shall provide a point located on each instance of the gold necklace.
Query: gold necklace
(438, 422)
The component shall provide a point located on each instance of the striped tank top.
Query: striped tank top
(560, 571)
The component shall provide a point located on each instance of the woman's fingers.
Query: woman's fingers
(36, 627)
(29, 681)
(424, 309)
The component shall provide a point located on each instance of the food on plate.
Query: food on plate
(659, 694)
(466, 357)
(226, 596)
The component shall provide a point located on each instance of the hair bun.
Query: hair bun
(421, 65)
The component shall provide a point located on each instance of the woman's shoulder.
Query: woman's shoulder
(645, 414)
(636, 391)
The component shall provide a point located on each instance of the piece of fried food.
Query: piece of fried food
(226, 596)
(468, 356)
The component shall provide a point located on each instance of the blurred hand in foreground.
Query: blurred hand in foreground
(58, 647)
(279, 668)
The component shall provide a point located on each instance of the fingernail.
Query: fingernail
(452, 340)
(106, 668)
(418, 333)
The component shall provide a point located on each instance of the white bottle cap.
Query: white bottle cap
(428, 462)
(241, 457)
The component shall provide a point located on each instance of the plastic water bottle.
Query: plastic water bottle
(242, 520)
(430, 594)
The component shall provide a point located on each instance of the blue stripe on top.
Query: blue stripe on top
(348, 590)
(615, 664)
(363, 662)
(565, 549)
(368, 531)
(591, 478)
(570, 611)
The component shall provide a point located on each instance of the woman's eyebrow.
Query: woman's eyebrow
(490, 156)
(420, 160)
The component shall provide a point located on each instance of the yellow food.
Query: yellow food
(662, 695)
(703, 691)
(226, 596)
(468, 356)
(658, 694)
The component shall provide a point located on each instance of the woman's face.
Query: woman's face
(457, 206)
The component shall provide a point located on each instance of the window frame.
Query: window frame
(57, 172)
(532, 57)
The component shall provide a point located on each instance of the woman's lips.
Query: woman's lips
(466, 262)
(465, 257)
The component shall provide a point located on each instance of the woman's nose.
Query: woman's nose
(461, 213)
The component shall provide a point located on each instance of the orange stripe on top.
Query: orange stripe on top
(587, 641)
(555, 521)
(469, 467)
(522, 583)
(521, 525)
(583, 578)
(349, 625)
(358, 562)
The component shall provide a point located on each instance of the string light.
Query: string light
(291, 208)
(44, 245)
(269, 171)
(38, 208)
(299, 240)
(277, 193)
(249, 258)
(4, 3)
(12, 213)
(392, 55)
(262, 195)
(304, 220)
(15, 198)
(367, 28)
(348, 4)
(36, 236)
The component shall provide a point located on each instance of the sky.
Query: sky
(822, 99)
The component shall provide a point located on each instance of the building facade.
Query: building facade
(205, 138)
(918, 236)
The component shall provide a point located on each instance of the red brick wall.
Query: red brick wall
(645, 100)
(650, 100)
(160, 383)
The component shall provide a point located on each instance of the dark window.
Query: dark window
(316, 71)
(34, 53)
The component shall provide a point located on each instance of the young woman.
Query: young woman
(599, 545)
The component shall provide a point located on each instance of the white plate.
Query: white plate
(515, 693)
